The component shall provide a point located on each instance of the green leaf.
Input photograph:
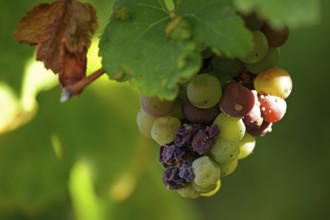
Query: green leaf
(294, 13)
(154, 48)
(216, 24)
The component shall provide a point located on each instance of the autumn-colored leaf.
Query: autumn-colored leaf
(62, 31)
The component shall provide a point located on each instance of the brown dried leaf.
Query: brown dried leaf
(62, 31)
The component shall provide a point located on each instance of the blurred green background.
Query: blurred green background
(86, 160)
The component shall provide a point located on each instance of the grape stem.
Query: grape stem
(78, 87)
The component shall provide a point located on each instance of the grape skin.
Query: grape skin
(224, 151)
(273, 108)
(236, 100)
(246, 146)
(164, 128)
(228, 168)
(204, 91)
(274, 81)
(207, 173)
(231, 128)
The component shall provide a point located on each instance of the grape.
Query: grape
(224, 151)
(253, 118)
(226, 66)
(144, 123)
(188, 192)
(246, 146)
(229, 168)
(269, 61)
(252, 21)
(274, 81)
(259, 50)
(206, 172)
(261, 130)
(203, 190)
(200, 115)
(203, 139)
(156, 107)
(204, 91)
(170, 155)
(275, 37)
(273, 108)
(236, 100)
(214, 191)
(172, 180)
(231, 128)
(164, 128)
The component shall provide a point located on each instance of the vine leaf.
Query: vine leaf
(62, 31)
(155, 47)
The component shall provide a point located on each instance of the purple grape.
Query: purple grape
(236, 100)
(170, 155)
(186, 172)
(185, 134)
(203, 139)
(198, 115)
(172, 179)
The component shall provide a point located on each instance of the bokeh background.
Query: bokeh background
(86, 160)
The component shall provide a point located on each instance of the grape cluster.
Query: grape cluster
(218, 113)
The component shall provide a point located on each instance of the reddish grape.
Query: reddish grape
(261, 130)
(273, 108)
(199, 115)
(253, 118)
(156, 107)
(275, 37)
(236, 100)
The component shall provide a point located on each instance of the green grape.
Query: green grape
(204, 91)
(188, 192)
(229, 168)
(231, 128)
(268, 62)
(246, 146)
(259, 50)
(274, 81)
(207, 173)
(164, 128)
(224, 151)
(144, 122)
